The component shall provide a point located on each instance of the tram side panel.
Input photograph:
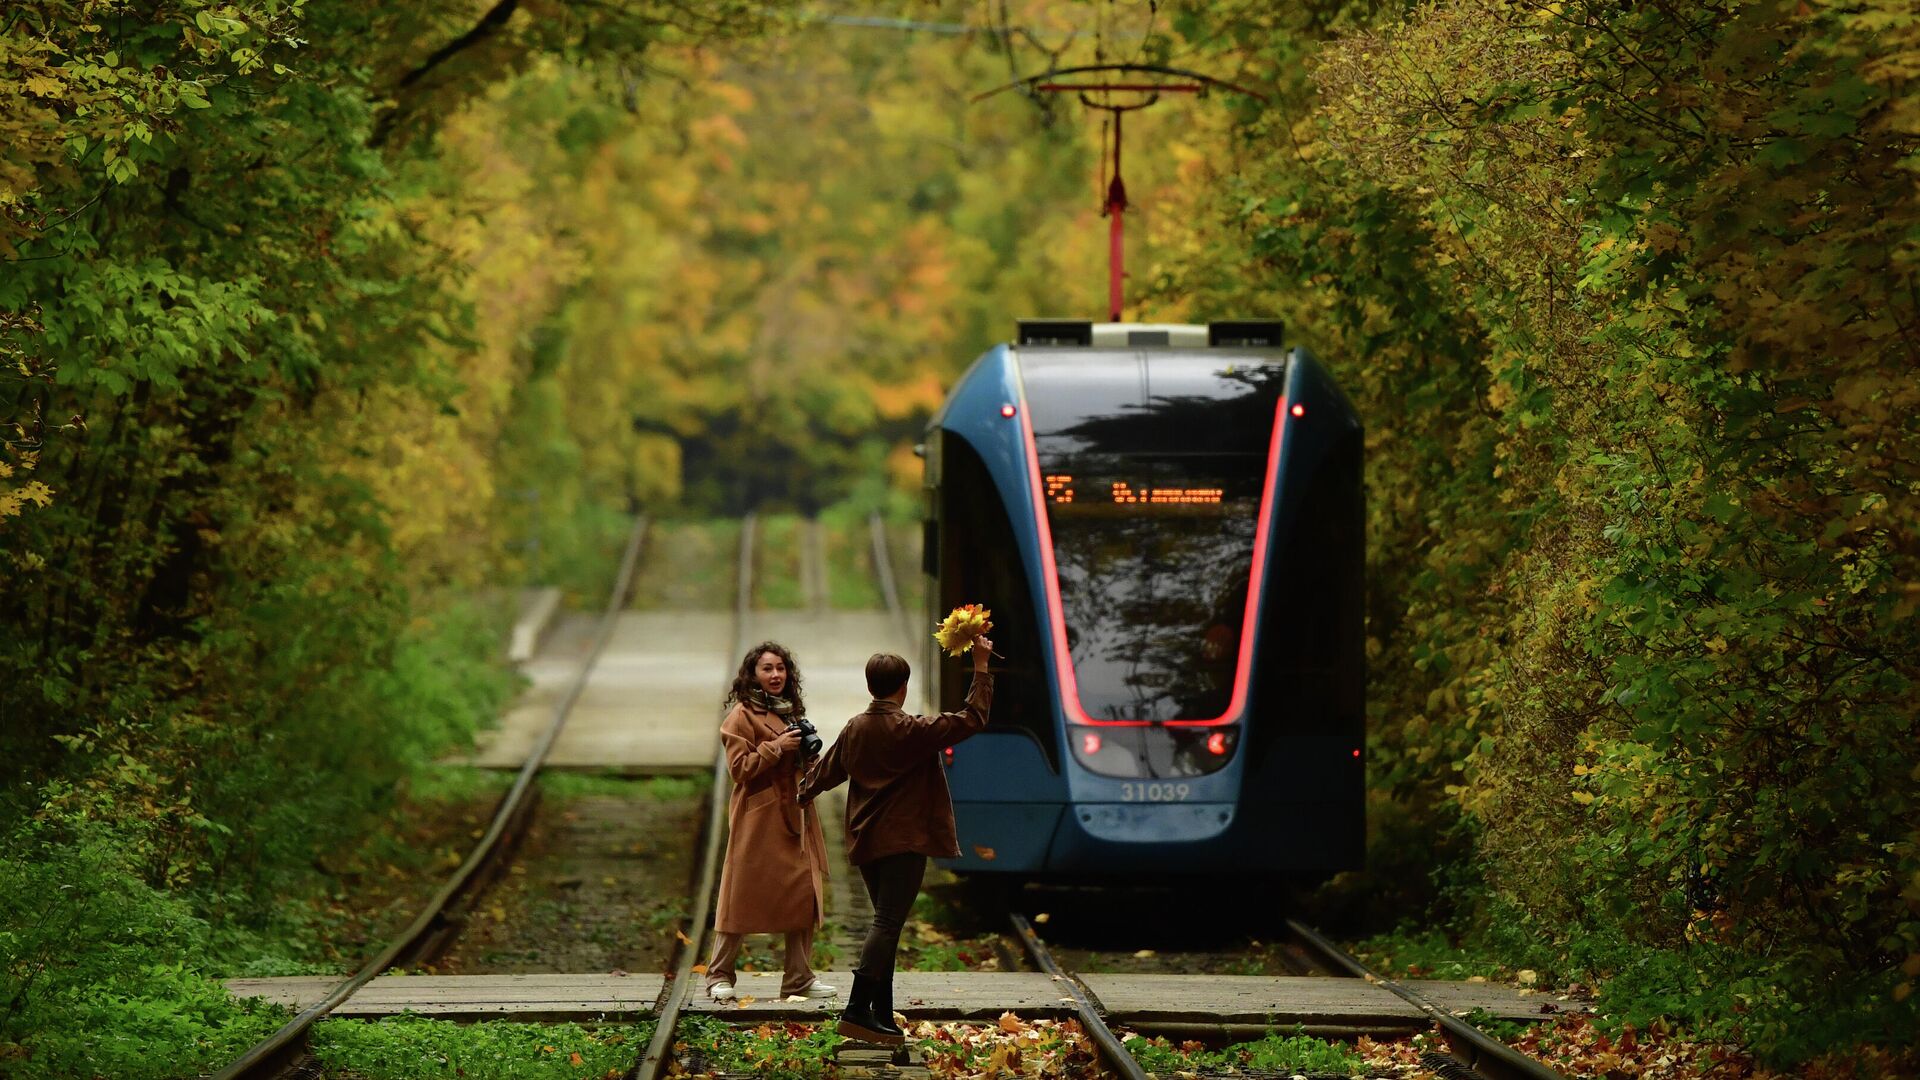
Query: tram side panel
(1006, 783)
(1306, 769)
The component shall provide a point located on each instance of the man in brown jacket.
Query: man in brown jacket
(899, 814)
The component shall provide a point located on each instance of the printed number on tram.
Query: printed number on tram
(1154, 792)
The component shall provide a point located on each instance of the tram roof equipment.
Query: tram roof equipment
(1234, 334)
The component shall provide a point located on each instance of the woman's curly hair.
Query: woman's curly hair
(744, 682)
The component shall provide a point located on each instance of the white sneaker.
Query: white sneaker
(721, 991)
(817, 989)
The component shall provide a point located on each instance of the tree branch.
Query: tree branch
(489, 24)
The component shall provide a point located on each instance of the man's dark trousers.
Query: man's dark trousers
(892, 883)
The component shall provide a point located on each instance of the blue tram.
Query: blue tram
(1167, 522)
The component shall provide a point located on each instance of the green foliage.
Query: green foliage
(122, 887)
(780, 1051)
(98, 972)
(780, 270)
(262, 404)
(416, 1048)
(1285, 1054)
(1625, 294)
(852, 582)
(777, 569)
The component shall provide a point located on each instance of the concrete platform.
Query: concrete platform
(652, 704)
(538, 608)
(1275, 1001)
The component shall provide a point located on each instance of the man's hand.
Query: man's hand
(982, 648)
(787, 743)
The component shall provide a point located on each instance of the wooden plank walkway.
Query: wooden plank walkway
(1279, 1001)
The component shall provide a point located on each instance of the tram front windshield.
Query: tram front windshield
(1153, 466)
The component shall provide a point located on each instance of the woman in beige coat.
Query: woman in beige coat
(774, 877)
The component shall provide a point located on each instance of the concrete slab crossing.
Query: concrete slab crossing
(1279, 1001)
(471, 997)
(651, 705)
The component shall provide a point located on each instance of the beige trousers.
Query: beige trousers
(799, 970)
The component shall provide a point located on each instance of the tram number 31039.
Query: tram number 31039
(1154, 792)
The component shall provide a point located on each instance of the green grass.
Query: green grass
(146, 1021)
(441, 782)
(1429, 954)
(779, 1051)
(935, 956)
(852, 583)
(776, 564)
(903, 543)
(825, 953)
(688, 566)
(577, 785)
(415, 1048)
(1276, 1052)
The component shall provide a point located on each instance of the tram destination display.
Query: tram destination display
(1103, 494)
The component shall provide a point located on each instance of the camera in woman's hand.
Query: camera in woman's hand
(809, 736)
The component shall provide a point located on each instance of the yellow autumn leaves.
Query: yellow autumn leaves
(962, 627)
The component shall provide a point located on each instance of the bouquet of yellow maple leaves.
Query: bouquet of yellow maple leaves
(962, 627)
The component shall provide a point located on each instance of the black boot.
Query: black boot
(858, 1021)
(883, 1006)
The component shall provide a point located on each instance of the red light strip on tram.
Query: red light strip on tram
(1057, 612)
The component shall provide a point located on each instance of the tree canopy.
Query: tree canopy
(317, 319)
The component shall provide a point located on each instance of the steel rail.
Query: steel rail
(653, 1065)
(1483, 1052)
(1115, 1052)
(276, 1050)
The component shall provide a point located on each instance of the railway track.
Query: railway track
(653, 1064)
(1475, 1054)
(1305, 953)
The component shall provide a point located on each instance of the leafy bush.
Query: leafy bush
(124, 886)
(100, 975)
(1625, 295)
